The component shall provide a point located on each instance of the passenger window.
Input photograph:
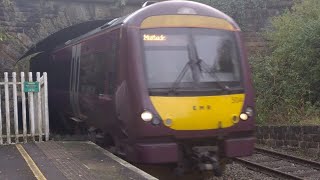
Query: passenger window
(98, 67)
(92, 73)
(60, 82)
(111, 63)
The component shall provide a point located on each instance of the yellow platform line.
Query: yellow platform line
(32, 165)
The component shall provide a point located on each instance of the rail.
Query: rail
(298, 168)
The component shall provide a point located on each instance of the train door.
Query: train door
(74, 81)
(105, 100)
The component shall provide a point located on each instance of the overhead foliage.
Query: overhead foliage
(7, 4)
(3, 35)
(288, 80)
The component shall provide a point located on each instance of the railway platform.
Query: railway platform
(62, 160)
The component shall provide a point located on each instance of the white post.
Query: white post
(1, 135)
(35, 108)
(39, 106)
(15, 106)
(46, 109)
(31, 109)
(42, 107)
(6, 92)
(24, 113)
(41, 92)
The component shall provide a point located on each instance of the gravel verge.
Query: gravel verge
(235, 171)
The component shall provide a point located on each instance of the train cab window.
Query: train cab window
(211, 58)
(221, 59)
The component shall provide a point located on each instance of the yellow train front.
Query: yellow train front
(186, 92)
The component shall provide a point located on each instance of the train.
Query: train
(168, 83)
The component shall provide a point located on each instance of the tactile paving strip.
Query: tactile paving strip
(71, 167)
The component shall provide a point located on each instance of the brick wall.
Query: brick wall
(302, 137)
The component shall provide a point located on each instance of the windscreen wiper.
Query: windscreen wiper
(195, 61)
(206, 68)
(180, 76)
(190, 64)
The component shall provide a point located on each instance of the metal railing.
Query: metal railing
(25, 115)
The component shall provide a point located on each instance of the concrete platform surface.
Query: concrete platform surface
(63, 160)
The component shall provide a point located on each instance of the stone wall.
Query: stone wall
(257, 20)
(30, 21)
(301, 137)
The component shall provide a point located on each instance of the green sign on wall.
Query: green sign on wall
(31, 86)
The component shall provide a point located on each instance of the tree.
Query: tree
(288, 80)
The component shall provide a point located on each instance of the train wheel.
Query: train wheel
(207, 175)
(179, 172)
(57, 122)
(223, 164)
(68, 126)
(108, 140)
(218, 171)
(92, 134)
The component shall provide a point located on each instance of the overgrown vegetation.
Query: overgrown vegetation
(3, 35)
(287, 80)
(287, 77)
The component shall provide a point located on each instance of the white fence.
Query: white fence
(19, 98)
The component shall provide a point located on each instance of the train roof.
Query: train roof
(152, 9)
(109, 24)
(53, 40)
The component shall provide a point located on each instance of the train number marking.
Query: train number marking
(236, 99)
(207, 107)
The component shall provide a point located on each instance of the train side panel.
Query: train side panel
(94, 76)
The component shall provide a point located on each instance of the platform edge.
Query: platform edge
(123, 162)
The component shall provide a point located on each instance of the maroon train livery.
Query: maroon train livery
(169, 83)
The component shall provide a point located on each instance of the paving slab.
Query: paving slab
(12, 164)
(64, 160)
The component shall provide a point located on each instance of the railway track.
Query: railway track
(281, 165)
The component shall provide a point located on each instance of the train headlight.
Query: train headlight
(249, 111)
(146, 116)
(244, 116)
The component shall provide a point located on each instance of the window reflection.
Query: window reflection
(164, 60)
(92, 73)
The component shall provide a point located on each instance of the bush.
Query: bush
(287, 81)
